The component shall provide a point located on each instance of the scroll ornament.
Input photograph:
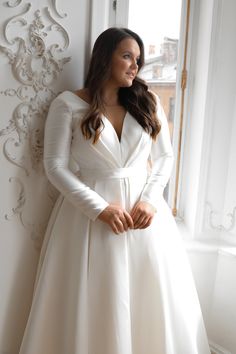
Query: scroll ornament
(36, 64)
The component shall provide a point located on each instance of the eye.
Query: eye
(126, 56)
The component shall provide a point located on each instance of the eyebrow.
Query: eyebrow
(129, 52)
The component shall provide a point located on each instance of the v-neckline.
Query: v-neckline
(109, 122)
(112, 126)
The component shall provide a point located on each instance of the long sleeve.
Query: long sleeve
(161, 161)
(57, 144)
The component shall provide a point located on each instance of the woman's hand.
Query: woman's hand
(142, 215)
(117, 218)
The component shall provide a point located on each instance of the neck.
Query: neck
(110, 96)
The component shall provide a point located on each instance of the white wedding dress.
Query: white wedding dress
(97, 292)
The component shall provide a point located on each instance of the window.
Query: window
(191, 111)
(164, 27)
(158, 24)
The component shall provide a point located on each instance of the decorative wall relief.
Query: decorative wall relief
(13, 3)
(36, 61)
(54, 3)
(213, 216)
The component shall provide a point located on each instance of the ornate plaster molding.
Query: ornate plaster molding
(213, 215)
(13, 3)
(62, 15)
(36, 63)
(35, 66)
(12, 21)
(19, 92)
(56, 26)
(36, 230)
(20, 201)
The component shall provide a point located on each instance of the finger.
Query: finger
(115, 225)
(136, 216)
(119, 225)
(124, 222)
(129, 220)
(134, 212)
(141, 221)
(114, 229)
(146, 224)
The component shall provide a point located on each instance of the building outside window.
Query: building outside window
(158, 24)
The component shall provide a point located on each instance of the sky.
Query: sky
(155, 19)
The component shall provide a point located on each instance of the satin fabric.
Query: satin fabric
(97, 292)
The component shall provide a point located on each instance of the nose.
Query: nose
(134, 64)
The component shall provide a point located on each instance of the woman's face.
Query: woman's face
(124, 61)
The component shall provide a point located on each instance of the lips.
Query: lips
(131, 75)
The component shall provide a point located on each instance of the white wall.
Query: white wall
(204, 265)
(223, 310)
(214, 273)
(26, 198)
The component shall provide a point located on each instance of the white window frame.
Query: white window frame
(205, 31)
(119, 17)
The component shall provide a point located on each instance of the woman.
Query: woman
(113, 277)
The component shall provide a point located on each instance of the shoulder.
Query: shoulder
(59, 104)
(156, 99)
(159, 108)
(83, 94)
(155, 96)
(69, 100)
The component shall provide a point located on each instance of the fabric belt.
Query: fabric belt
(124, 172)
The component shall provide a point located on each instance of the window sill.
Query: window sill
(204, 244)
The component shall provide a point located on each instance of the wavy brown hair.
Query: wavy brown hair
(136, 99)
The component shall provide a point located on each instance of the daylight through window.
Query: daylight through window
(158, 24)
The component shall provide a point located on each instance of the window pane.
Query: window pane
(158, 24)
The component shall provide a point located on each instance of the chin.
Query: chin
(127, 83)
